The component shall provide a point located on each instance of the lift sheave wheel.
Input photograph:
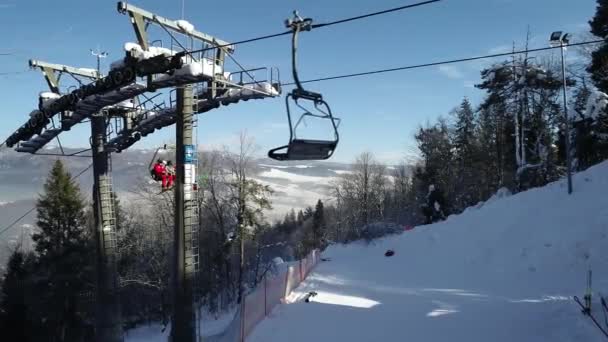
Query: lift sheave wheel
(298, 148)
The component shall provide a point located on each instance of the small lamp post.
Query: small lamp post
(557, 39)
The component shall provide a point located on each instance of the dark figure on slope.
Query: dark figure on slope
(434, 209)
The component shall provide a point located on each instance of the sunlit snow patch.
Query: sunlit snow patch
(440, 312)
(336, 299)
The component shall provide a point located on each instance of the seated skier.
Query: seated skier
(158, 170)
(168, 176)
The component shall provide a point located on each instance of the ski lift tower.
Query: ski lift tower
(216, 87)
(202, 85)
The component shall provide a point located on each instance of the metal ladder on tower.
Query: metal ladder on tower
(106, 200)
(195, 211)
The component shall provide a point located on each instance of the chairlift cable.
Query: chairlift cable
(400, 8)
(13, 73)
(452, 61)
(340, 21)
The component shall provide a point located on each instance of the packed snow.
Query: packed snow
(505, 270)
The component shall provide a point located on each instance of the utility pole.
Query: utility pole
(183, 328)
(567, 121)
(562, 41)
(108, 319)
(99, 55)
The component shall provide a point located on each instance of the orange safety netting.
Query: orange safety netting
(272, 291)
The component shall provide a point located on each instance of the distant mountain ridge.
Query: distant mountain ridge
(22, 176)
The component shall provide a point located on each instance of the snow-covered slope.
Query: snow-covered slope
(505, 271)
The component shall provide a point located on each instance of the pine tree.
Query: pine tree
(64, 265)
(436, 149)
(318, 226)
(464, 131)
(464, 142)
(14, 319)
(521, 96)
(496, 82)
(290, 222)
(308, 212)
(599, 59)
(487, 153)
(292, 217)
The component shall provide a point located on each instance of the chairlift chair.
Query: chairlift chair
(150, 166)
(299, 148)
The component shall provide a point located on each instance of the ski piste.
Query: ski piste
(447, 278)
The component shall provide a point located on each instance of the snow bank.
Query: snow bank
(504, 272)
(501, 193)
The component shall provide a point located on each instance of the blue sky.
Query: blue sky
(379, 113)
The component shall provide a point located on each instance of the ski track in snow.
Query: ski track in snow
(502, 271)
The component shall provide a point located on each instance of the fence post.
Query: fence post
(265, 298)
(242, 339)
(286, 284)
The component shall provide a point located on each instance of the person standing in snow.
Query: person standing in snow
(435, 206)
